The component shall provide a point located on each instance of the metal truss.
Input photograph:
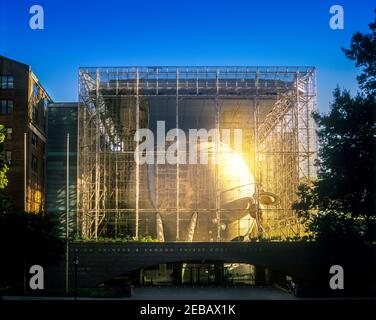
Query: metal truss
(273, 106)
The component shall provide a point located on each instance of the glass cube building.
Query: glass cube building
(255, 122)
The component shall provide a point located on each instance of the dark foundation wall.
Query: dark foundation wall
(306, 262)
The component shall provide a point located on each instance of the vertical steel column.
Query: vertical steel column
(217, 157)
(78, 190)
(138, 156)
(311, 107)
(97, 157)
(67, 222)
(117, 147)
(256, 153)
(104, 175)
(177, 155)
(308, 155)
(116, 191)
(299, 148)
(83, 183)
(25, 171)
(313, 129)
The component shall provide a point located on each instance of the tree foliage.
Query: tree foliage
(3, 166)
(347, 136)
(341, 202)
(363, 52)
(27, 239)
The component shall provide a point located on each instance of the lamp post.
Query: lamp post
(75, 262)
(67, 222)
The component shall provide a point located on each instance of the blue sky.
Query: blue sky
(108, 33)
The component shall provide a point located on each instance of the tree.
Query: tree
(363, 51)
(347, 136)
(341, 202)
(25, 239)
(3, 165)
(4, 200)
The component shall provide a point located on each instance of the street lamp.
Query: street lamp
(75, 262)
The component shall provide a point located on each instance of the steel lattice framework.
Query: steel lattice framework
(272, 105)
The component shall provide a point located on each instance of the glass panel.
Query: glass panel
(10, 82)
(3, 80)
(9, 133)
(35, 91)
(10, 106)
(3, 104)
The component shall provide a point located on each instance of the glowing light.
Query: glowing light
(236, 178)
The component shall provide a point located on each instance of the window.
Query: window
(6, 156)
(35, 90)
(6, 82)
(35, 113)
(9, 132)
(34, 163)
(45, 103)
(6, 106)
(34, 140)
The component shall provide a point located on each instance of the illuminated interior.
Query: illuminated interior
(246, 194)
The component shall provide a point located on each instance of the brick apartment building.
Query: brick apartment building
(23, 111)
